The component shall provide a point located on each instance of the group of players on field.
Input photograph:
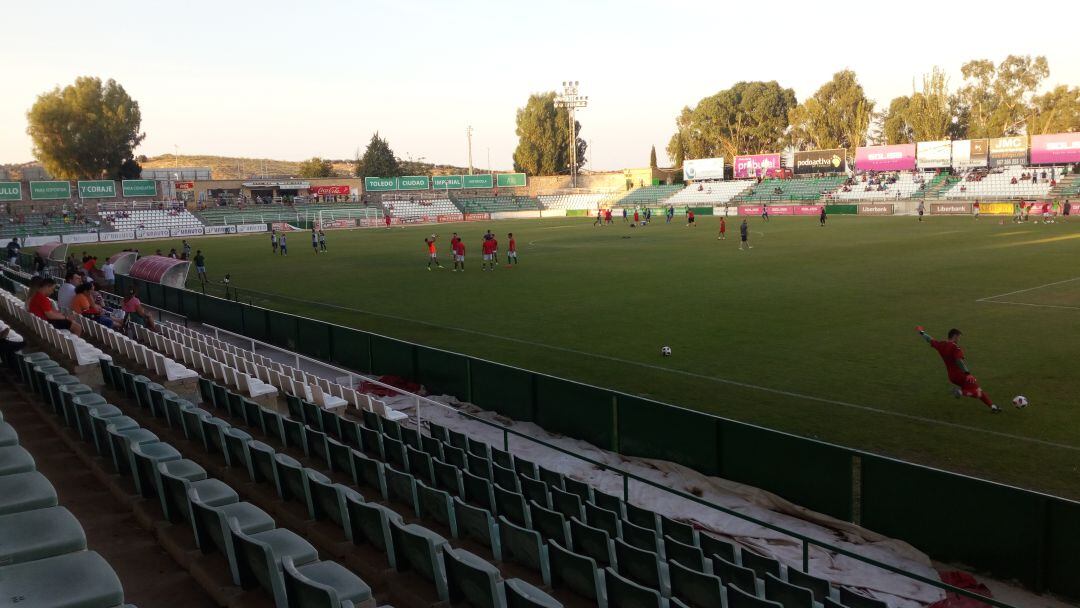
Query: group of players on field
(489, 249)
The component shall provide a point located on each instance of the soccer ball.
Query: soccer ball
(1020, 401)
(666, 351)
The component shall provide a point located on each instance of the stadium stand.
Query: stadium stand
(494, 204)
(277, 212)
(899, 185)
(588, 201)
(648, 195)
(1068, 185)
(709, 193)
(150, 219)
(39, 219)
(797, 189)
(1008, 182)
(418, 206)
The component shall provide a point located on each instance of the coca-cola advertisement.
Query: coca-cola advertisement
(328, 190)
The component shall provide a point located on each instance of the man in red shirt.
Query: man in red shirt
(953, 357)
(458, 248)
(487, 248)
(511, 254)
(42, 307)
(433, 255)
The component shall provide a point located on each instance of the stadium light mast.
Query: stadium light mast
(468, 135)
(572, 101)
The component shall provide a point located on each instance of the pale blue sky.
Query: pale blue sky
(295, 79)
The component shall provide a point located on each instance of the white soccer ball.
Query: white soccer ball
(666, 351)
(1020, 401)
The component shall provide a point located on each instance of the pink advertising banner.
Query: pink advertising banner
(757, 165)
(780, 209)
(1056, 148)
(900, 157)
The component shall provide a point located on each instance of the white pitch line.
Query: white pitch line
(1029, 304)
(1002, 295)
(764, 389)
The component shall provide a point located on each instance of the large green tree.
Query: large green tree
(85, 130)
(543, 132)
(893, 123)
(378, 160)
(837, 115)
(750, 117)
(1056, 111)
(317, 167)
(996, 98)
(933, 113)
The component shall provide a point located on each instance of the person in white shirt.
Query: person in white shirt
(67, 290)
(108, 272)
(10, 343)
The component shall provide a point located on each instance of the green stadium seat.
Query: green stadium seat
(132, 382)
(420, 465)
(551, 478)
(643, 567)
(234, 403)
(454, 456)
(88, 582)
(53, 384)
(520, 594)
(212, 524)
(550, 524)
(394, 453)
(369, 523)
(77, 416)
(472, 580)
(525, 467)
(695, 589)
(457, 440)
(324, 584)
(419, 549)
(642, 538)
(39, 534)
(177, 477)
(372, 421)
(512, 506)
(566, 503)
(273, 426)
(144, 460)
(478, 465)
(625, 593)
(786, 594)
(121, 441)
(820, 587)
(506, 478)
(259, 556)
(294, 434)
(436, 505)
(852, 599)
(206, 390)
(370, 472)
(220, 398)
(371, 442)
(524, 547)
(157, 402)
(478, 491)
(173, 409)
(536, 491)
(478, 524)
(253, 415)
(609, 502)
(738, 576)
(687, 555)
(438, 432)
(339, 456)
(684, 533)
(591, 542)
(331, 423)
(15, 459)
(68, 392)
(410, 437)
(447, 477)
(642, 516)
(401, 487)
(713, 546)
(350, 433)
(391, 429)
(142, 394)
(236, 450)
(315, 441)
(577, 573)
(478, 448)
(580, 488)
(293, 480)
(192, 423)
(607, 521)
(328, 501)
(760, 564)
(737, 598)
(431, 446)
(101, 426)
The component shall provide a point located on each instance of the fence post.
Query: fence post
(506, 441)
(625, 487)
(806, 556)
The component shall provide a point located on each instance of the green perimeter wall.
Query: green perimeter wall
(1005, 531)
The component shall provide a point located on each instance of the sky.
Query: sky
(292, 80)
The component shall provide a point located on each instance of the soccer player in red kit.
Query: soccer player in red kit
(458, 247)
(511, 253)
(487, 249)
(723, 229)
(953, 357)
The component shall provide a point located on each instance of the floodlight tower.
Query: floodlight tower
(572, 101)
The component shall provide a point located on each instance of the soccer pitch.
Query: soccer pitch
(810, 332)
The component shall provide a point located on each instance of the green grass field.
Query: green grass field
(811, 332)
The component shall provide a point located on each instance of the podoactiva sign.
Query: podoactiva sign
(820, 161)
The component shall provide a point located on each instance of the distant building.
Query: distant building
(177, 173)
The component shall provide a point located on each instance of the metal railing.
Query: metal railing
(806, 541)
